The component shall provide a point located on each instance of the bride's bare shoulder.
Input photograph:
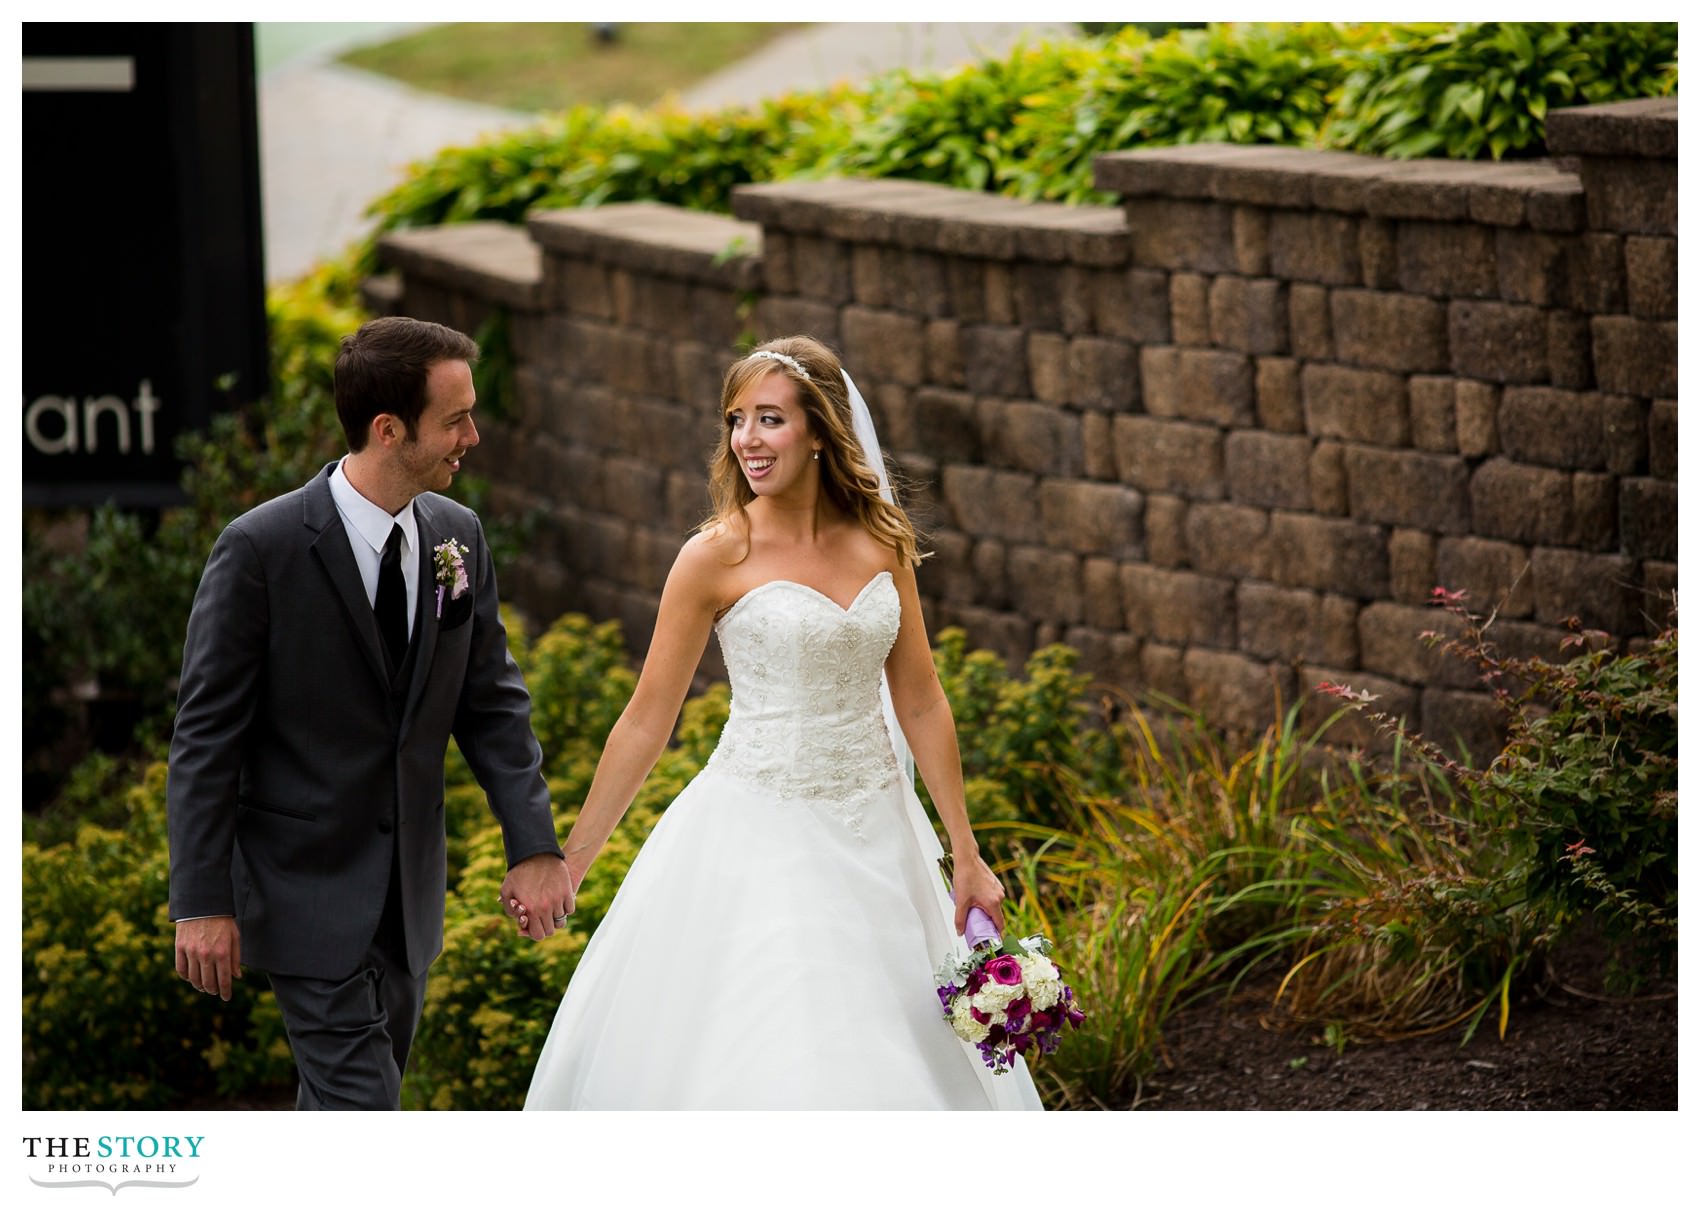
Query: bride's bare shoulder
(708, 557)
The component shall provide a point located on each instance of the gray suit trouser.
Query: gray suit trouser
(351, 1036)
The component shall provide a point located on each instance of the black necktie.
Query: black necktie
(391, 603)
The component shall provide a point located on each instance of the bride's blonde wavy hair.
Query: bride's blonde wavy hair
(846, 479)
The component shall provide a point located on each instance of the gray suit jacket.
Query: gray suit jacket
(298, 772)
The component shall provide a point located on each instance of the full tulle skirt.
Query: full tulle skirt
(766, 953)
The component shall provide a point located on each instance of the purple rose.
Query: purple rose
(979, 1016)
(1021, 1043)
(1021, 1007)
(1043, 1021)
(1005, 970)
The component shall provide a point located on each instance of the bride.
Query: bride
(773, 943)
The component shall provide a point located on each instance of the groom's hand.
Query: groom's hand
(538, 890)
(209, 954)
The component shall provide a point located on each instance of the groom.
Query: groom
(339, 635)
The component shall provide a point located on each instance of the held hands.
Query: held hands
(209, 954)
(976, 885)
(538, 895)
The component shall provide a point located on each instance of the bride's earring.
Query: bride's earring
(816, 456)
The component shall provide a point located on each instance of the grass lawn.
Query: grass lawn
(545, 66)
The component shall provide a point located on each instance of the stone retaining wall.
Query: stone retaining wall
(1224, 439)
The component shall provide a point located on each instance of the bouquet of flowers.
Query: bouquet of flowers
(1005, 997)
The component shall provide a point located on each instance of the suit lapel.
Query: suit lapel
(337, 559)
(425, 606)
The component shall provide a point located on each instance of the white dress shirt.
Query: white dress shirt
(368, 528)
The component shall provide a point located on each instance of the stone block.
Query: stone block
(1659, 612)
(999, 281)
(1593, 498)
(944, 353)
(965, 284)
(1602, 590)
(633, 489)
(1389, 331)
(992, 504)
(1010, 636)
(1268, 470)
(948, 575)
(1357, 405)
(1030, 437)
(1647, 517)
(1165, 532)
(1214, 385)
(1630, 194)
(1047, 366)
(1470, 727)
(1328, 479)
(1280, 624)
(1132, 304)
(1251, 241)
(581, 288)
(946, 426)
(1410, 565)
(1111, 660)
(1623, 435)
(1101, 593)
(884, 345)
(1189, 308)
(1102, 373)
(1098, 446)
(1092, 519)
(1477, 408)
(1495, 575)
(1408, 488)
(989, 565)
(1170, 456)
(1045, 584)
(1248, 314)
(1314, 246)
(1434, 424)
(1162, 668)
(686, 502)
(994, 360)
(1570, 355)
(1378, 251)
(1651, 262)
(893, 409)
(1235, 693)
(1172, 233)
(1635, 357)
(1447, 260)
(867, 283)
(821, 269)
(1228, 540)
(1038, 295)
(1553, 428)
(1527, 504)
(1307, 311)
(1280, 402)
(1534, 266)
(698, 369)
(1354, 729)
(1661, 439)
(1178, 607)
(1333, 554)
(1598, 281)
(1391, 641)
(1498, 342)
(783, 315)
(917, 282)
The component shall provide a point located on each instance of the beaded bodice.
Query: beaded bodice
(806, 721)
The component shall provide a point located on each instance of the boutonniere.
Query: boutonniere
(451, 571)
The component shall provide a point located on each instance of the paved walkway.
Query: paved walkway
(332, 138)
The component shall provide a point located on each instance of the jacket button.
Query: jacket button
(384, 825)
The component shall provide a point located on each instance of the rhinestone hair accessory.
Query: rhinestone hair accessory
(773, 355)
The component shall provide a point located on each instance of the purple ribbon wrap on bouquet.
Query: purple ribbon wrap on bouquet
(979, 928)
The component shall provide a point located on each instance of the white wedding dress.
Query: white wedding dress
(774, 942)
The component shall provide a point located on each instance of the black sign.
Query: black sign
(144, 292)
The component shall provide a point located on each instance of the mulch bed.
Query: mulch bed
(1562, 1051)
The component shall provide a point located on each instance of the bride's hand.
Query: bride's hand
(976, 885)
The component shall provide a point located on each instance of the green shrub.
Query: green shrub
(1029, 123)
(1463, 90)
(107, 1023)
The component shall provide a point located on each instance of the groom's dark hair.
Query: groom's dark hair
(382, 367)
